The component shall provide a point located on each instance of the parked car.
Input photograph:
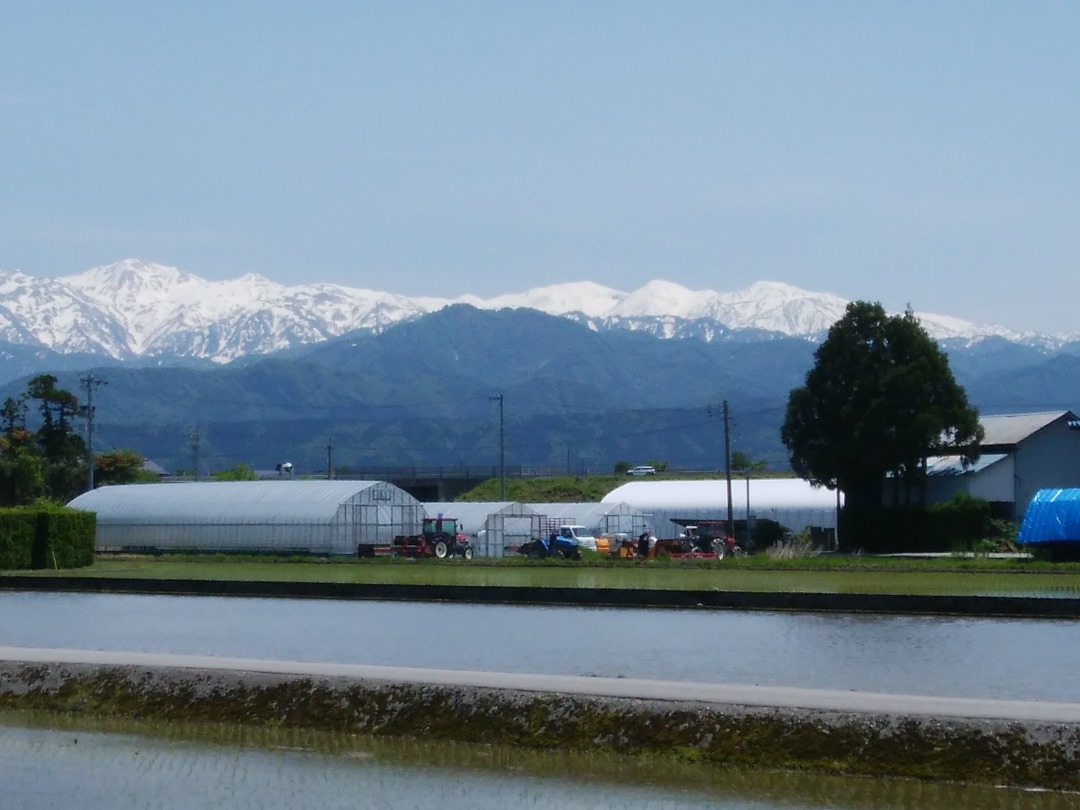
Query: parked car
(642, 470)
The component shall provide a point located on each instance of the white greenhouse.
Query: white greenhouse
(492, 527)
(311, 517)
(791, 502)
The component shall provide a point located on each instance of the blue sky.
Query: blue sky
(902, 152)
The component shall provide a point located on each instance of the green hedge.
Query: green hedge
(46, 537)
(955, 525)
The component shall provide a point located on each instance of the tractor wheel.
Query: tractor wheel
(441, 549)
(467, 553)
(718, 548)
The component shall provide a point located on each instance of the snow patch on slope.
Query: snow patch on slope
(136, 308)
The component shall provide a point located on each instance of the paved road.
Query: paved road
(721, 694)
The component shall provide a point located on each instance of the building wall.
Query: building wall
(1047, 459)
(996, 483)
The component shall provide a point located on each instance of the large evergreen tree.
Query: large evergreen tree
(879, 400)
(61, 448)
(21, 479)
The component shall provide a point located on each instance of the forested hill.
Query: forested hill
(573, 398)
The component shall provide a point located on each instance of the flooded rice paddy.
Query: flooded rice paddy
(934, 655)
(55, 764)
(120, 768)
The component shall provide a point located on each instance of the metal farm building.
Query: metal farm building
(309, 517)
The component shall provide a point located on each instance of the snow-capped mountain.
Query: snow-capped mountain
(134, 309)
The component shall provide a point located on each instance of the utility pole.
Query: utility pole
(329, 458)
(502, 447)
(746, 542)
(727, 470)
(90, 382)
(196, 438)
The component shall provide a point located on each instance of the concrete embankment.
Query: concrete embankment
(993, 742)
(1015, 606)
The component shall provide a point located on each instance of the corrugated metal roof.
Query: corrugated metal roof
(223, 501)
(1013, 428)
(954, 465)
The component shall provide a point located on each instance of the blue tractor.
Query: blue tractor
(554, 545)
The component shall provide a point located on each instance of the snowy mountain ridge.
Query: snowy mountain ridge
(132, 309)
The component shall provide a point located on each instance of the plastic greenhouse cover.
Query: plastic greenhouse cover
(1052, 516)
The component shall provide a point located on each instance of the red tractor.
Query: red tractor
(698, 539)
(441, 537)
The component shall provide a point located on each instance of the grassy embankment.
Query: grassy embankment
(824, 574)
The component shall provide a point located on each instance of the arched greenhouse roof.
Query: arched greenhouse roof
(224, 501)
(472, 515)
(792, 502)
(768, 493)
(1052, 516)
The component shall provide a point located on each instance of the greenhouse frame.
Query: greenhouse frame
(604, 518)
(283, 517)
(493, 527)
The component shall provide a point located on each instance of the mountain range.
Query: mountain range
(141, 311)
(262, 373)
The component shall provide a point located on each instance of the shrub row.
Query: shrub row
(46, 537)
(956, 525)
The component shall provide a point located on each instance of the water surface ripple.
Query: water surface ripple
(1021, 659)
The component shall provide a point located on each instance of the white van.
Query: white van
(583, 536)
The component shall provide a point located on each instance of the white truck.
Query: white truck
(582, 535)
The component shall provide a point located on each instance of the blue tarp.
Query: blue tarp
(1053, 516)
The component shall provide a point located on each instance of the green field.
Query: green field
(941, 576)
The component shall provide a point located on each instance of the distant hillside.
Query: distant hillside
(420, 393)
(574, 399)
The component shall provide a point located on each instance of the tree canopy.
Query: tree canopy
(238, 472)
(49, 462)
(878, 401)
(120, 466)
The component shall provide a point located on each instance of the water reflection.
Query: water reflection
(75, 767)
(965, 657)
